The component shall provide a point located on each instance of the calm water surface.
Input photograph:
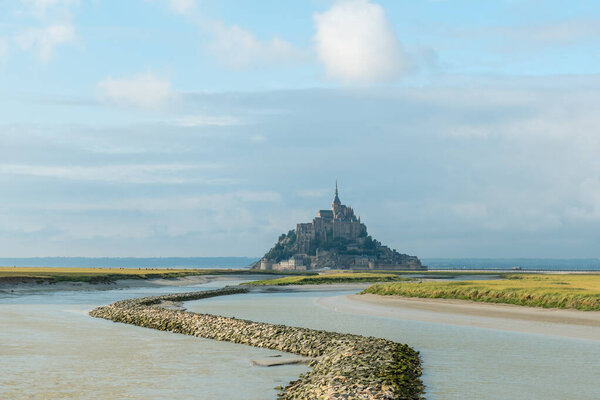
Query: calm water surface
(51, 349)
(460, 362)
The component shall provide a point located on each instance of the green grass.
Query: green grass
(575, 291)
(328, 279)
(104, 275)
(405, 372)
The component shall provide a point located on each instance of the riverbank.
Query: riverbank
(53, 349)
(329, 279)
(15, 276)
(21, 286)
(506, 317)
(344, 366)
(580, 292)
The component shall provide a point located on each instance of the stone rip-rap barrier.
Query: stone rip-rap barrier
(344, 366)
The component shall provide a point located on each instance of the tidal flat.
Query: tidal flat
(53, 349)
(459, 361)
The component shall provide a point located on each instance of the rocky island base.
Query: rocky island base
(344, 366)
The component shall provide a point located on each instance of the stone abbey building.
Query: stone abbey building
(339, 222)
(336, 239)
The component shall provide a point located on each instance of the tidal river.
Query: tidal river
(459, 361)
(51, 349)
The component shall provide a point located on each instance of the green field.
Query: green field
(575, 291)
(103, 275)
(328, 279)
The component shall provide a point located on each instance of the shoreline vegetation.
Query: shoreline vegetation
(51, 275)
(577, 291)
(343, 366)
(562, 291)
(333, 278)
(97, 275)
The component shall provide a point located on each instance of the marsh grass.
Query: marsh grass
(329, 279)
(106, 275)
(574, 291)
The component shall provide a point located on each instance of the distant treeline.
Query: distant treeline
(130, 262)
(508, 263)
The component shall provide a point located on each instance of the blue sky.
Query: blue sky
(206, 128)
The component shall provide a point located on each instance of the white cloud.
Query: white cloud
(41, 8)
(238, 48)
(172, 173)
(553, 33)
(142, 90)
(234, 46)
(258, 196)
(155, 204)
(355, 42)
(43, 41)
(182, 6)
(54, 29)
(313, 193)
(191, 121)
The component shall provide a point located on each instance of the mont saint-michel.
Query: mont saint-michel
(337, 239)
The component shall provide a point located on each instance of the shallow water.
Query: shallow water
(460, 362)
(51, 349)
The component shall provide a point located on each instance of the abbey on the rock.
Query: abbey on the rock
(339, 222)
(337, 239)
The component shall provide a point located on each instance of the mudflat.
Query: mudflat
(21, 286)
(557, 322)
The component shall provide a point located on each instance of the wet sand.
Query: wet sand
(29, 286)
(565, 323)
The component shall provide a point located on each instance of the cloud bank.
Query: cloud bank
(238, 48)
(182, 6)
(43, 41)
(55, 27)
(142, 90)
(465, 171)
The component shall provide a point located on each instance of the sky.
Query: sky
(207, 128)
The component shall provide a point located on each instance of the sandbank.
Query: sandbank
(18, 286)
(565, 323)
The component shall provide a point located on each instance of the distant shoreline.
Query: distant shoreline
(130, 262)
(244, 262)
(48, 278)
(517, 271)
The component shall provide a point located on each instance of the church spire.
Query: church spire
(336, 199)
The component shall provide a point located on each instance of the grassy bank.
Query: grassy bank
(576, 291)
(105, 275)
(328, 278)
